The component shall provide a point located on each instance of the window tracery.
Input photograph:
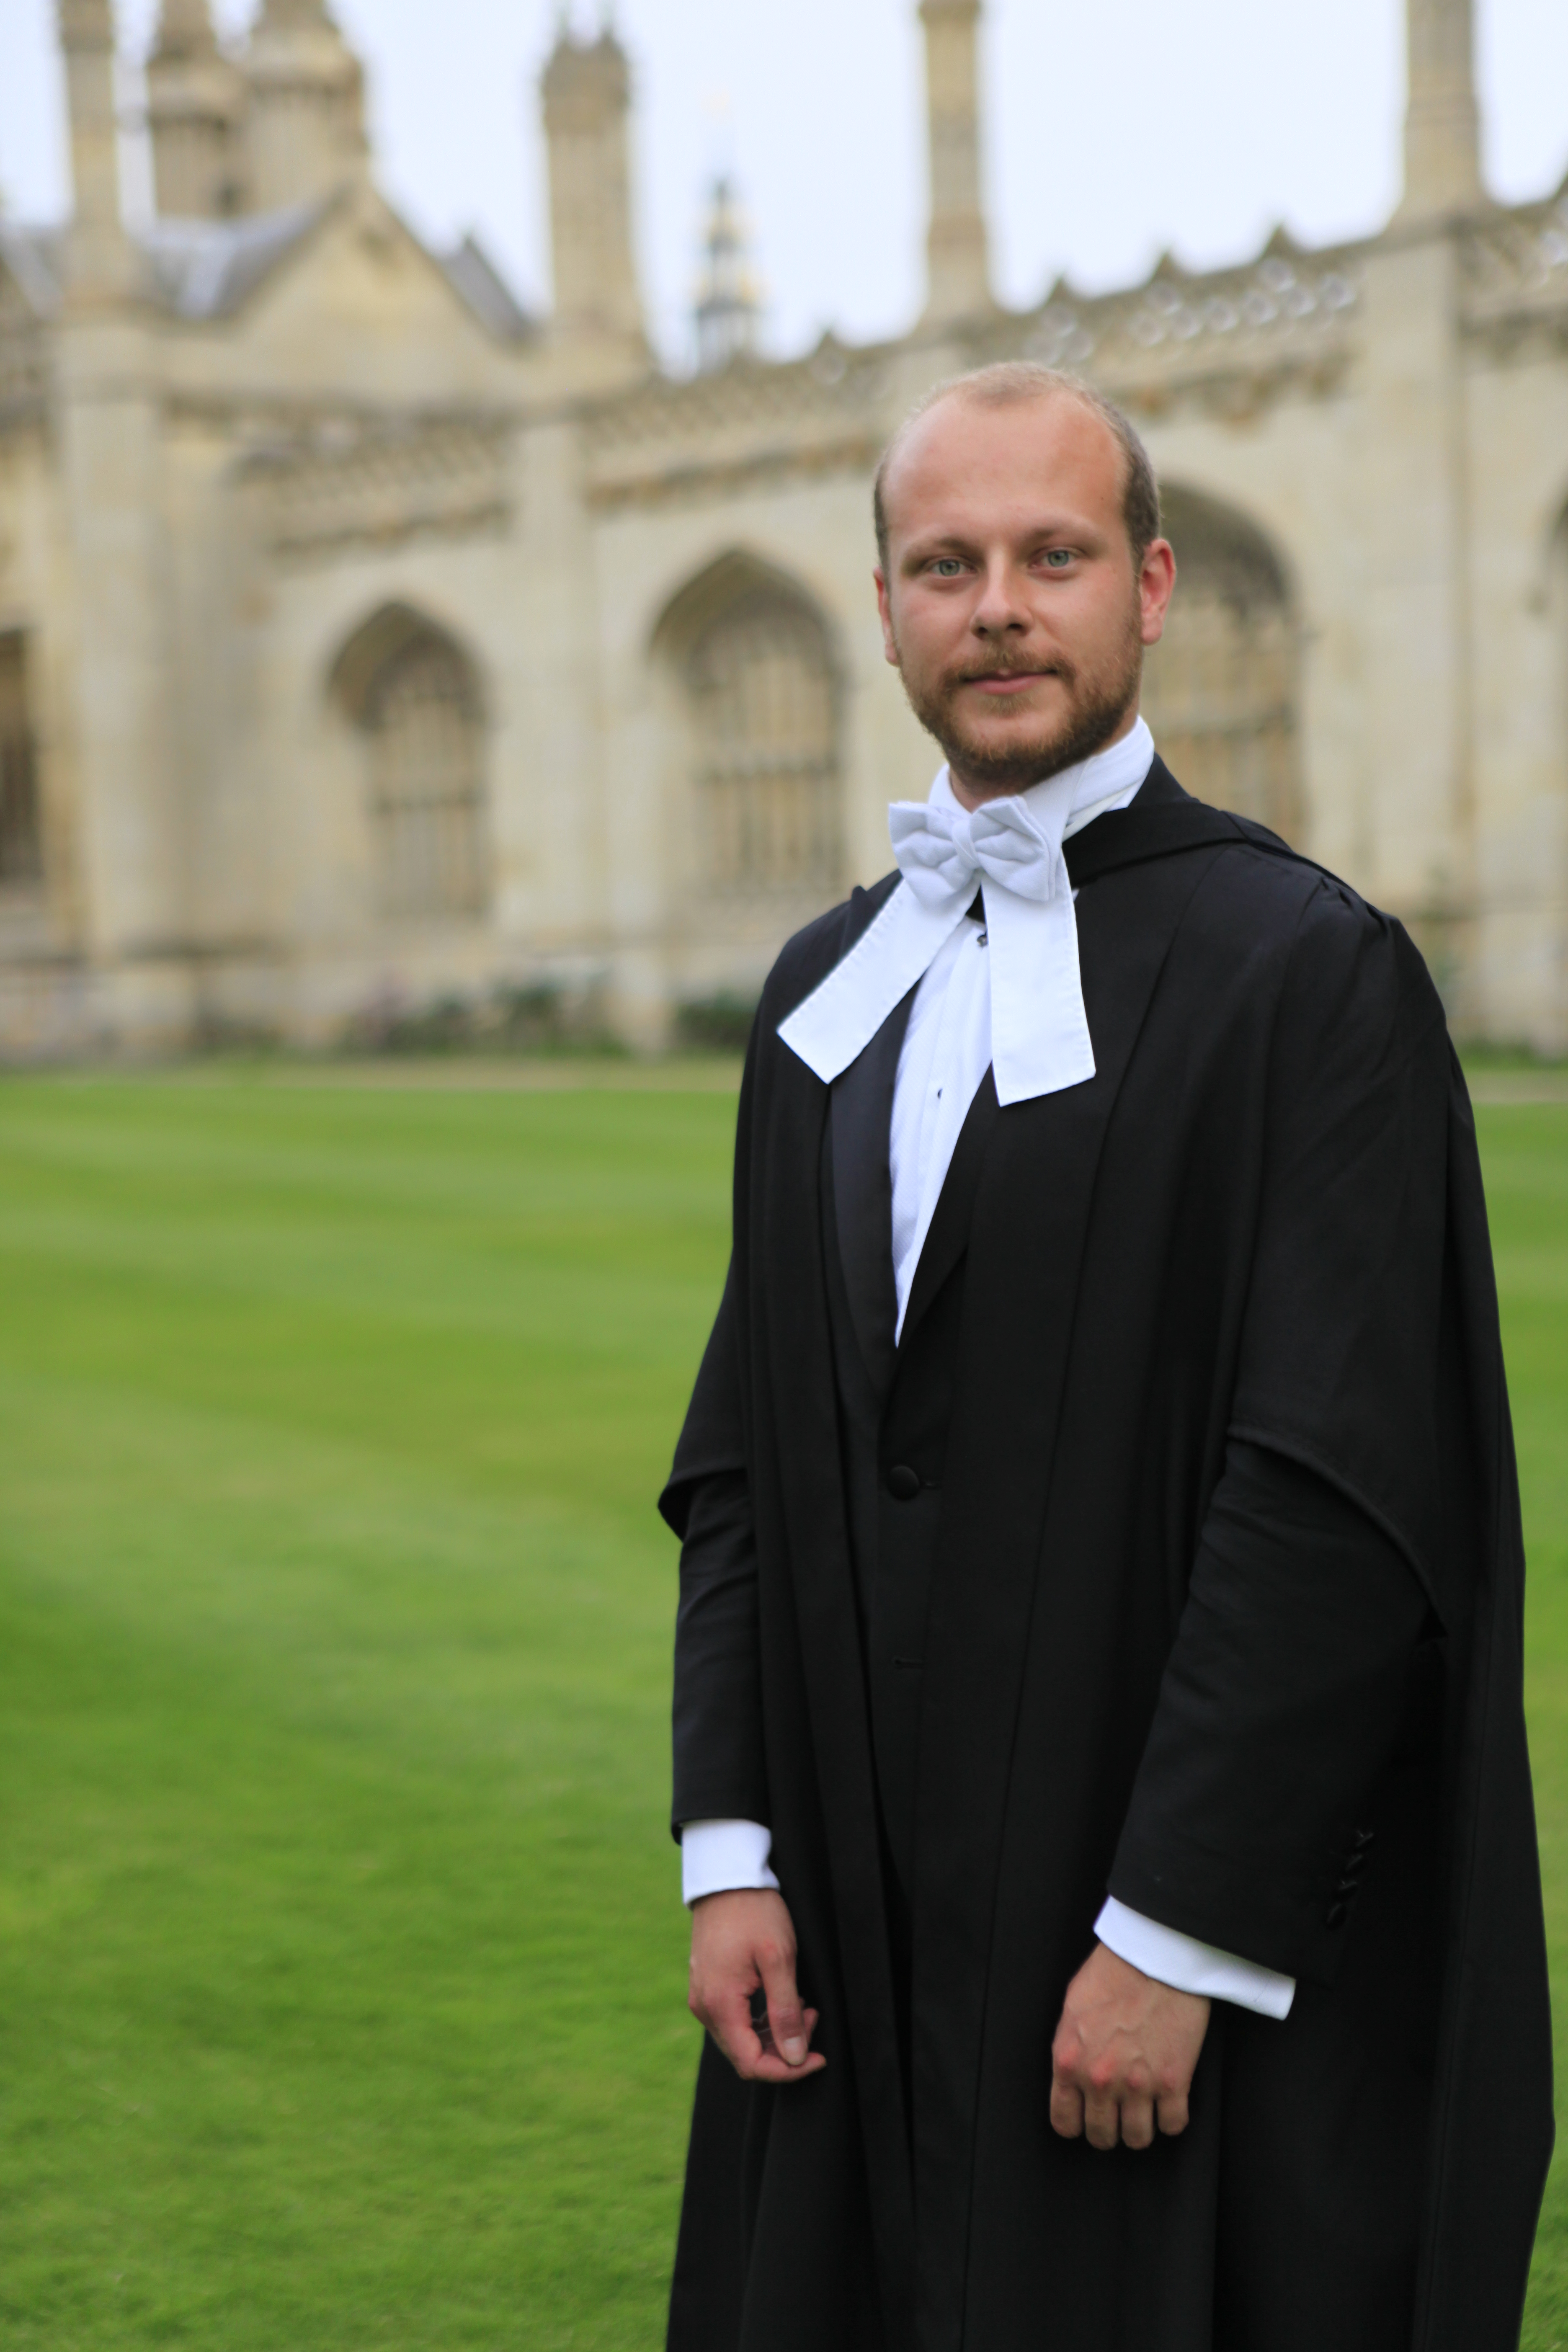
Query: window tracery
(764, 703)
(420, 712)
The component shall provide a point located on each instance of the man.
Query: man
(1099, 1750)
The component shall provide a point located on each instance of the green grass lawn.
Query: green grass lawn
(341, 1954)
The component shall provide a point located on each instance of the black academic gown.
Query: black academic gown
(1256, 1238)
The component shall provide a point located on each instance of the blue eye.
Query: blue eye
(948, 566)
(1059, 558)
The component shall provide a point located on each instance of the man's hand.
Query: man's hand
(741, 1942)
(1125, 2051)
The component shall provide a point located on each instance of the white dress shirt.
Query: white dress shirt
(946, 1052)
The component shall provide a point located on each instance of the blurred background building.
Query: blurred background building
(364, 640)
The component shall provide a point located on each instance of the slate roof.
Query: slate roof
(469, 271)
(201, 269)
(205, 268)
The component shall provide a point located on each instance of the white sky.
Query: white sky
(1114, 130)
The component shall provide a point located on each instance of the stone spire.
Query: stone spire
(1442, 126)
(306, 132)
(196, 102)
(100, 252)
(587, 99)
(727, 304)
(958, 275)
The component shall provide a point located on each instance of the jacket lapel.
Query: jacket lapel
(861, 1116)
(947, 1235)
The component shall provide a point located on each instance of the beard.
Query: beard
(1098, 699)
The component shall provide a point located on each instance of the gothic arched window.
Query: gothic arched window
(21, 843)
(414, 696)
(1220, 688)
(765, 706)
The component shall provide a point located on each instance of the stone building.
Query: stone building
(364, 641)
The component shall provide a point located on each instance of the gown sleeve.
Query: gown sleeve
(720, 1771)
(1340, 1538)
(712, 1436)
(1251, 1818)
(719, 1768)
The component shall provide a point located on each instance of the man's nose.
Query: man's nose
(999, 605)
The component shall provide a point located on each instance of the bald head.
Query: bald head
(1022, 383)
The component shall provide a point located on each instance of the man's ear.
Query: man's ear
(889, 643)
(1156, 583)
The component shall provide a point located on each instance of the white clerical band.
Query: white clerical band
(1012, 849)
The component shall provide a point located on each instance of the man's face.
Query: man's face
(1009, 603)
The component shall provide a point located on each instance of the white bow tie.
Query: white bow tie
(1013, 849)
(942, 851)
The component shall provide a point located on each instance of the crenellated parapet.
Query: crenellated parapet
(1226, 341)
(1515, 278)
(739, 427)
(352, 482)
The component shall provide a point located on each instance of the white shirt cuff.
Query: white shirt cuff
(716, 1857)
(1181, 1962)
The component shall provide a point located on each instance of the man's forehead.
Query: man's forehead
(1052, 448)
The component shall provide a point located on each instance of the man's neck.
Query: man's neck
(973, 792)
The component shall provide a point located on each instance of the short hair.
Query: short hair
(1011, 382)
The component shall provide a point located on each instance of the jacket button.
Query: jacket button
(903, 1484)
(1336, 1915)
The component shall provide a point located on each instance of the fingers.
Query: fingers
(755, 2058)
(726, 2013)
(769, 2066)
(1105, 2120)
(787, 2018)
(1102, 2119)
(1138, 2121)
(1066, 2109)
(1123, 2056)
